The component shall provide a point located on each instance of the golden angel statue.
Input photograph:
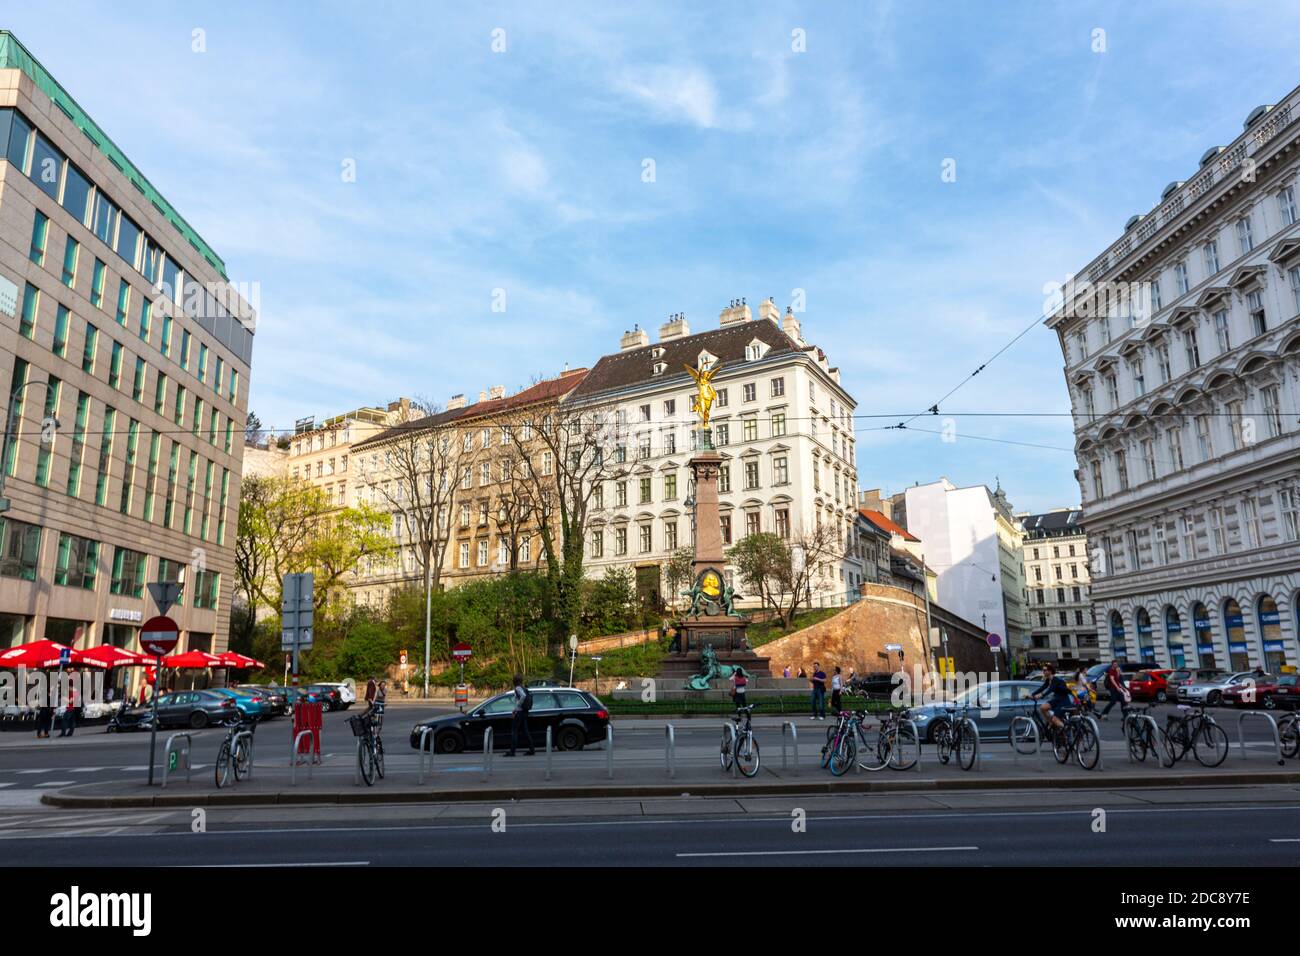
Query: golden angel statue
(705, 395)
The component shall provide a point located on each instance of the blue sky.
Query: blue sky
(775, 170)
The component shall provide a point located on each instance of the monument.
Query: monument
(711, 632)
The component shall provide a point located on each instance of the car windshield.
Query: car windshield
(497, 705)
(1286, 680)
(1213, 675)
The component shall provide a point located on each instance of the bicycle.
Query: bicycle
(1143, 736)
(954, 735)
(235, 758)
(746, 747)
(1195, 730)
(893, 744)
(841, 745)
(1075, 737)
(1288, 729)
(370, 752)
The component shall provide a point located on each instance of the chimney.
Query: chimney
(674, 328)
(635, 339)
(791, 326)
(482, 396)
(735, 313)
(767, 310)
(497, 391)
(456, 401)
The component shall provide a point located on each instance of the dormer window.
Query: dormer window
(755, 350)
(657, 352)
(659, 368)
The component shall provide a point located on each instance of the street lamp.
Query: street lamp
(597, 660)
(4, 445)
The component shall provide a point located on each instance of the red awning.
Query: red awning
(239, 661)
(41, 654)
(192, 660)
(106, 655)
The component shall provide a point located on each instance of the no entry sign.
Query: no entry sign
(462, 652)
(158, 636)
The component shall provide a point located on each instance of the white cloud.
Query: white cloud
(673, 93)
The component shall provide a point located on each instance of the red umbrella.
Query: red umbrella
(192, 659)
(37, 655)
(106, 655)
(239, 661)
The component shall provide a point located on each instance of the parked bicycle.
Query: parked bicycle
(1192, 729)
(1075, 737)
(1144, 736)
(742, 736)
(841, 742)
(370, 753)
(956, 735)
(235, 758)
(892, 744)
(1288, 729)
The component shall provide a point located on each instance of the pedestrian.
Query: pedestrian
(44, 721)
(1114, 683)
(675, 647)
(803, 674)
(739, 682)
(68, 722)
(372, 689)
(786, 673)
(519, 717)
(1083, 689)
(837, 685)
(818, 692)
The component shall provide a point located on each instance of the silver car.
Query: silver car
(1209, 688)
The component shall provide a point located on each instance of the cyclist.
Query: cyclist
(1060, 697)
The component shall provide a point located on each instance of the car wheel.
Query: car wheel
(934, 731)
(571, 738)
(1161, 697)
(448, 742)
(1213, 698)
(1268, 702)
(198, 720)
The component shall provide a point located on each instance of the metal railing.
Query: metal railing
(1038, 743)
(670, 749)
(789, 729)
(1155, 734)
(234, 748)
(729, 731)
(609, 751)
(1241, 733)
(487, 753)
(294, 756)
(426, 756)
(916, 739)
(168, 750)
(548, 751)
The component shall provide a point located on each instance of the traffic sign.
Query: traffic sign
(65, 656)
(995, 640)
(462, 652)
(158, 636)
(164, 594)
(297, 610)
(893, 647)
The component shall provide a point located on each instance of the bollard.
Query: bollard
(609, 751)
(293, 758)
(167, 752)
(356, 769)
(670, 749)
(426, 754)
(1241, 734)
(916, 737)
(487, 752)
(979, 754)
(794, 739)
(548, 751)
(235, 742)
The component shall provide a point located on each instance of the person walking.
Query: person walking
(818, 692)
(837, 685)
(519, 717)
(372, 690)
(1114, 683)
(739, 684)
(68, 722)
(786, 673)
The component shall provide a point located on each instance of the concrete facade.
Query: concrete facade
(1058, 587)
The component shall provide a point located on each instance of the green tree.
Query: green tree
(678, 572)
(784, 572)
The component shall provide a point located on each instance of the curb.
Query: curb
(816, 788)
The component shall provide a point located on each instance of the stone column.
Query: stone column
(708, 527)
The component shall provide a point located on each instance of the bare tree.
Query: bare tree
(784, 572)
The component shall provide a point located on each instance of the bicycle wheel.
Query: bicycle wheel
(366, 764)
(1061, 743)
(724, 755)
(902, 744)
(222, 767)
(1087, 748)
(943, 742)
(874, 750)
(967, 747)
(1290, 737)
(747, 755)
(241, 759)
(1210, 745)
(1024, 735)
(843, 756)
(1136, 732)
(379, 757)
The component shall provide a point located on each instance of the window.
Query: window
(782, 516)
(123, 302)
(620, 494)
(1244, 241)
(724, 479)
(1154, 285)
(751, 475)
(146, 318)
(1221, 331)
(1112, 391)
(179, 416)
(620, 541)
(670, 486)
(464, 554)
(596, 544)
(1180, 277)
(60, 344)
(31, 305)
(128, 573)
(20, 549)
(643, 447)
(1204, 438)
(40, 233)
(128, 470)
(207, 585)
(1098, 488)
(1211, 250)
(71, 250)
(97, 284)
(643, 487)
(749, 392)
(160, 394)
(1139, 376)
(1175, 439)
(1288, 506)
(753, 524)
(778, 424)
(115, 365)
(722, 434)
(722, 398)
(1121, 468)
(1271, 397)
(1161, 544)
(1255, 308)
(1162, 359)
(749, 428)
(778, 387)
(1148, 461)
(77, 562)
(1250, 526)
(1286, 205)
(646, 538)
(1294, 275)
(45, 450)
(644, 412)
(137, 381)
(781, 470)
(725, 521)
(1218, 541)
(481, 554)
(1192, 347)
(185, 349)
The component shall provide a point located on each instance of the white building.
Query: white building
(973, 544)
(1057, 583)
(782, 422)
(1182, 354)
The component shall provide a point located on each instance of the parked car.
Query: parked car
(1209, 688)
(275, 699)
(185, 708)
(1010, 696)
(576, 718)
(347, 694)
(879, 684)
(1150, 685)
(1269, 692)
(249, 703)
(327, 694)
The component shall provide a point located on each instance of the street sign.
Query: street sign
(297, 610)
(893, 647)
(164, 594)
(158, 636)
(462, 652)
(995, 640)
(65, 656)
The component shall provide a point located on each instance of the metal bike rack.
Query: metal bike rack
(1038, 745)
(167, 752)
(487, 753)
(293, 757)
(1096, 730)
(426, 754)
(356, 767)
(1241, 736)
(670, 749)
(916, 738)
(730, 730)
(609, 751)
(234, 745)
(793, 731)
(1155, 735)
(975, 735)
(548, 751)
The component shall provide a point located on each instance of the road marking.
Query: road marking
(86, 769)
(9, 784)
(42, 770)
(222, 866)
(890, 849)
(54, 783)
(1285, 840)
